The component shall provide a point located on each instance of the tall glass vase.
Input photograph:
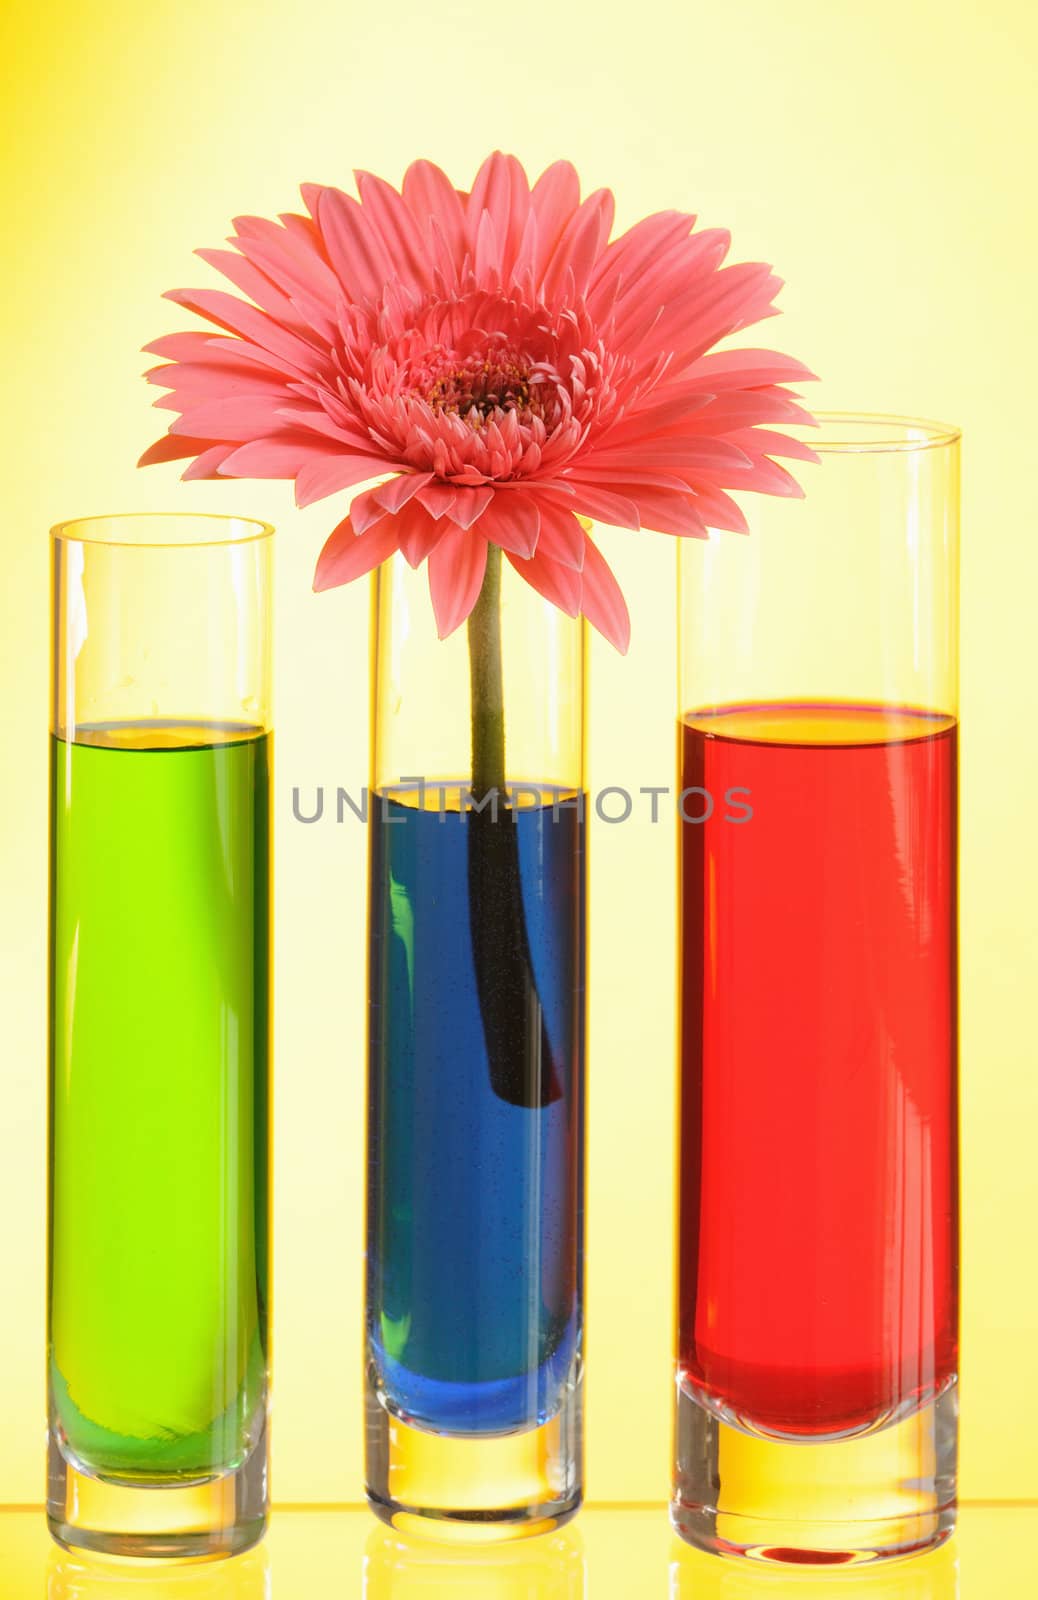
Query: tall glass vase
(159, 1146)
(818, 1256)
(476, 1061)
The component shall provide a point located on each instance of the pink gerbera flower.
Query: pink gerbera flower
(511, 368)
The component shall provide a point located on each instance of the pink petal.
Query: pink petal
(590, 474)
(630, 256)
(255, 284)
(487, 251)
(355, 249)
(669, 296)
(470, 505)
(579, 247)
(556, 581)
(526, 255)
(746, 369)
(200, 381)
(767, 477)
(328, 474)
(666, 412)
(513, 521)
(208, 464)
(290, 255)
(219, 351)
(553, 200)
(228, 312)
(311, 193)
(601, 600)
(397, 227)
(732, 298)
(274, 457)
(607, 505)
(741, 408)
(395, 494)
(437, 498)
(236, 419)
(366, 510)
(316, 420)
(456, 569)
(304, 231)
(172, 447)
(773, 444)
(429, 193)
(668, 451)
(665, 511)
(347, 555)
(419, 533)
(561, 539)
(718, 510)
(501, 190)
(181, 346)
(682, 267)
(312, 314)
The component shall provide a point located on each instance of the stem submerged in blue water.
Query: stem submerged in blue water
(519, 1052)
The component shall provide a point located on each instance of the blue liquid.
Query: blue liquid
(475, 1203)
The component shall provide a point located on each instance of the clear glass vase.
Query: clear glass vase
(818, 1254)
(475, 1208)
(159, 977)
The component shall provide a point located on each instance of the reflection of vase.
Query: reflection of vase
(159, 1035)
(934, 1575)
(818, 1259)
(247, 1578)
(550, 1569)
(476, 1046)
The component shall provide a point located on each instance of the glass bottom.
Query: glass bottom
(820, 1502)
(461, 1488)
(207, 1519)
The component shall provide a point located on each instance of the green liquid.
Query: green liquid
(159, 1097)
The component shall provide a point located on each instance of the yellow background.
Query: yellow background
(882, 156)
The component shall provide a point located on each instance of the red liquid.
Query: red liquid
(818, 1244)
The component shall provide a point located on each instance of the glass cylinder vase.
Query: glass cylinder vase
(818, 1254)
(159, 962)
(475, 1207)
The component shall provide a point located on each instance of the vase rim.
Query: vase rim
(870, 432)
(162, 530)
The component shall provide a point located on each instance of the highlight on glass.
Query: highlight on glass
(475, 1199)
(818, 1255)
(159, 1035)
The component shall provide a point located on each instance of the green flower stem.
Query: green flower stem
(487, 683)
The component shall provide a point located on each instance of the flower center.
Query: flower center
(483, 386)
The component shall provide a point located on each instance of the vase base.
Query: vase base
(819, 1502)
(468, 1489)
(203, 1520)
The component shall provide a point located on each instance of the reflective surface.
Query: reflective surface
(627, 1553)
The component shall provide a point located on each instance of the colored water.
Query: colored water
(475, 1156)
